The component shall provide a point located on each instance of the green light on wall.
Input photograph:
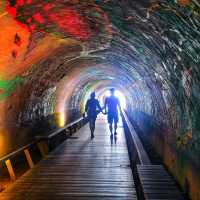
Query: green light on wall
(7, 87)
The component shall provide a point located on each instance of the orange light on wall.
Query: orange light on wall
(184, 2)
(3, 143)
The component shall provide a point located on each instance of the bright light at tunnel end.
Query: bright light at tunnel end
(119, 95)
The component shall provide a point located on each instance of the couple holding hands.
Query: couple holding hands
(92, 108)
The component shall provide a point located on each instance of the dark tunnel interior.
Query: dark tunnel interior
(54, 53)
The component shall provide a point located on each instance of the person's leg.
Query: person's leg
(116, 119)
(92, 127)
(110, 122)
(115, 128)
(110, 127)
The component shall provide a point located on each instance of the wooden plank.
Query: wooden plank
(80, 168)
(156, 183)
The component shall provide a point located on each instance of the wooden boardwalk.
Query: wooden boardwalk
(80, 168)
(157, 183)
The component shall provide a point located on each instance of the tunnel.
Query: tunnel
(54, 53)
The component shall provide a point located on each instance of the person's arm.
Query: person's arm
(86, 108)
(99, 107)
(105, 105)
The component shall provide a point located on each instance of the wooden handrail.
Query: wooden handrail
(14, 153)
(43, 145)
(142, 155)
(39, 137)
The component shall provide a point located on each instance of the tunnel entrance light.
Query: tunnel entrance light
(120, 96)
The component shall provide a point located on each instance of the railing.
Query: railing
(46, 143)
(152, 180)
(69, 126)
(141, 154)
(43, 142)
(7, 159)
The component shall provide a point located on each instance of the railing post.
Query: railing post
(79, 124)
(70, 131)
(28, 158)
(43, 147)
(10, 170)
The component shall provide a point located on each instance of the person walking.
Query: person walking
(112, 104)
(92, 108)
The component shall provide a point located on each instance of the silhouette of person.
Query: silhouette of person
(92, 108)
(112, 105)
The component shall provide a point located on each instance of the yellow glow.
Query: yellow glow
(3, 142)
(60, 119)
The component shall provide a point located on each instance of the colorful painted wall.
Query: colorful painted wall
(53, 53)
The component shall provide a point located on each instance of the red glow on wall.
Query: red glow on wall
(66, 19)
(71, 22)
(184, 2)
(32, 27)
(11, 10)
(39, 18)
(20, 2)
(48, 6)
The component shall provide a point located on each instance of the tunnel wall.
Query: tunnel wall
(178, 162)
(171, 137)
(151, 48)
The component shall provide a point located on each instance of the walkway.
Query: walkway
(80, 169)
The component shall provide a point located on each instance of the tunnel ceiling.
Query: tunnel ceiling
(148, 47)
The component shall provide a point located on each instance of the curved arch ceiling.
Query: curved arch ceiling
(155, 43)
(57, 49)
